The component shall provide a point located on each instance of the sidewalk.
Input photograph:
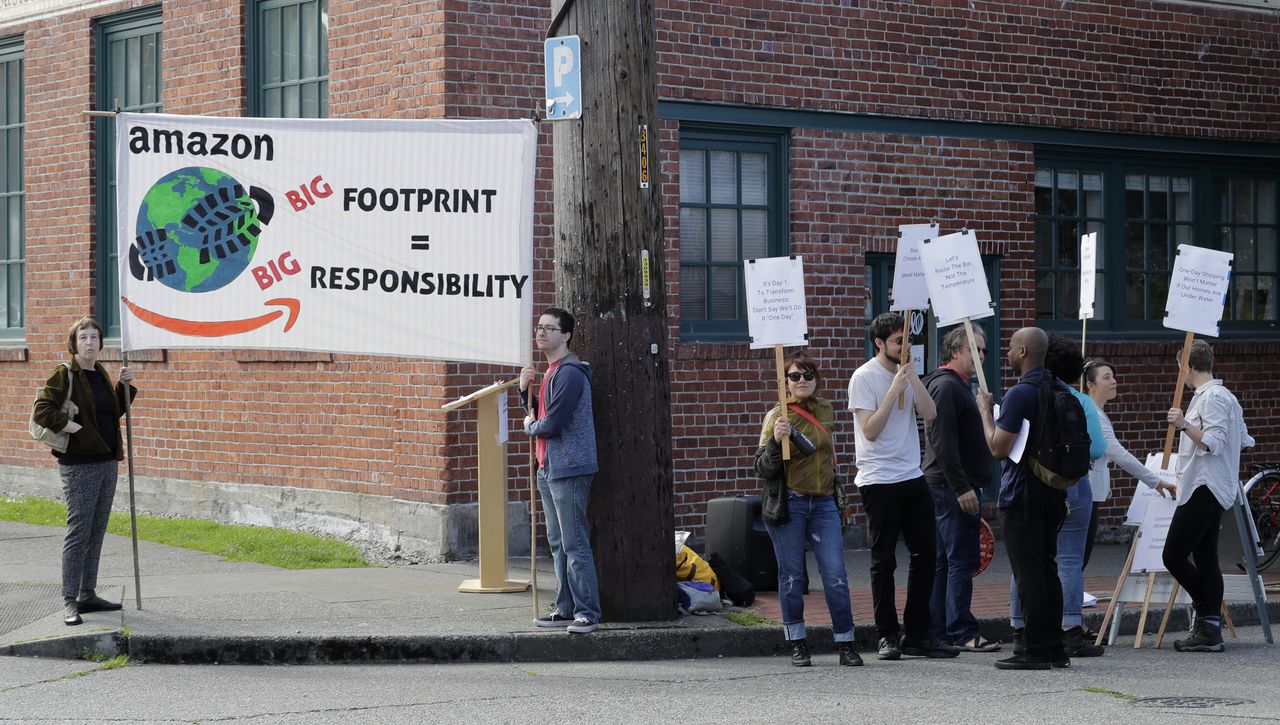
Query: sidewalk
(199, 609)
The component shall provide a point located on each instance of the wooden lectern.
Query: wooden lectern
(491, 483)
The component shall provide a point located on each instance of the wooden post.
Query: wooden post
(1177, 396)
(905, 357)
(1168, 610)
(1115, 596)
(782, 397)
(1146, 606)
(605, 218)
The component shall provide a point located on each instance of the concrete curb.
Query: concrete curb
(606, 644)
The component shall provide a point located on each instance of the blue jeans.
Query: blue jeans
(565, 502)
(952, 619)
(1072, 538)
(814, 518)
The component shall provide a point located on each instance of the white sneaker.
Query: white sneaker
(582, 625)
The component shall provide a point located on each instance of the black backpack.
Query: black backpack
(1059, 453)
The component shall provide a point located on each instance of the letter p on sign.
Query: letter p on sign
(561, 63)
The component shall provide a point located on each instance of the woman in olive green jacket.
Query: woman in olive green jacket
(89, 466)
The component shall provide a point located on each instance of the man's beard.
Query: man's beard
(895, 360)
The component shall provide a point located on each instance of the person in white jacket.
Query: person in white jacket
(1100, 383)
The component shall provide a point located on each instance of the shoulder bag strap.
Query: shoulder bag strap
(809, 417)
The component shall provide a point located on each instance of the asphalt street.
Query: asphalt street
(731, 690)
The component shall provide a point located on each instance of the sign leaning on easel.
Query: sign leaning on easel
(776, 314)
(1197, 295)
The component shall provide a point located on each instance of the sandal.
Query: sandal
(978, 644)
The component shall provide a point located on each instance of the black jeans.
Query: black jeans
(1031, 538)
(1193, 534)
(905, 507)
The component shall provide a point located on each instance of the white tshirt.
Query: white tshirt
(894, 456)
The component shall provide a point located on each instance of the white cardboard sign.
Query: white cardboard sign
(1198, 290)
(1152, 513)
(910, 290)
(957, 282)
(1088, 273)
(776, 313)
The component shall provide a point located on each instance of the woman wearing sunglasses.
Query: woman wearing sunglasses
(1100, 383)
(811, 509)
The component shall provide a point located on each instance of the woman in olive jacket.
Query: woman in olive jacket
(88, 467)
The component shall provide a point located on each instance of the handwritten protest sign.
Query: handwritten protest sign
(776, 313)
(1198, 290)
(957, 283)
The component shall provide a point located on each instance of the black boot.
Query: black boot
(800, 653)
(88, 601)
(1205, 637)
(70, 612)
(849, 656)
(1076, 645)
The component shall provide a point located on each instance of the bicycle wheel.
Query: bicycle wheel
(1264, 503)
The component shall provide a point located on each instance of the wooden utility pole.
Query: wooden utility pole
(606, 225)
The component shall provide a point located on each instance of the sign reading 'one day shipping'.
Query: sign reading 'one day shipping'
(406, 238)
(1198, 290)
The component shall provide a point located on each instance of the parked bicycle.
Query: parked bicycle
(1263, 494)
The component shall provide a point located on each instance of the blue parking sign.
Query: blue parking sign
(564, 78)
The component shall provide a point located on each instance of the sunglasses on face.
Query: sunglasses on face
(807, 375)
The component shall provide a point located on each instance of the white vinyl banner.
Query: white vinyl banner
(374, 237)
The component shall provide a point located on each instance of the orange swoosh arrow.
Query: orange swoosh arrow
(222, 328)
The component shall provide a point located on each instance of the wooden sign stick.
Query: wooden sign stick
(905, 357)
(1168, 610)
(1177, 396)
(1115, 596)
(977, 359)
(1146, 606)
(1084, 327)
(782, 398)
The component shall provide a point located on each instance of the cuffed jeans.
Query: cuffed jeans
(565, 502)
(813, 518)
(1072, 538)
(904, 507)
(1031, 540)
(958, 558)
(1194, 533)
(88, 489)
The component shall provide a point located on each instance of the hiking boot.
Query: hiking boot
(90, 602)
(555, 619)
(1205, 636)
(800, 653)
(890, 648)
(1019, 641)
(582, 625)
(931, 648)
(849, 656)
(1077, 645)
(70, 613)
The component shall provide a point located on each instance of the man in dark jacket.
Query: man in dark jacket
(956, 464)
(560, 420)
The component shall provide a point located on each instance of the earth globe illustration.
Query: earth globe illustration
(197, 229)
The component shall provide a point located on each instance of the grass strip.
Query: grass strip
(273, 547)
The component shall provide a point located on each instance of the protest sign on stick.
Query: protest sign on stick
(776, 314)
(957, 285)
(910, 290)
(1088, 279)
(1197, 296)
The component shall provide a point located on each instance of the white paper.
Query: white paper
(776, 312)
(1089, 601)
(503, 432)
(910, 290)
(1142, 494)
(1152, 532)
(1088, 273)
(957, 282)
(1198, 290)
(1019, 443)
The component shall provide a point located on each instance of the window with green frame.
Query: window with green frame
(289, 58)
(130, 78)
(1142, 209)
(733, 207)
(13, 226)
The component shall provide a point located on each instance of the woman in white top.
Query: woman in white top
(1100, 381)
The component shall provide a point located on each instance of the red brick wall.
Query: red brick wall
(374, 425)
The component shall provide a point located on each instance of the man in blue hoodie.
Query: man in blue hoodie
(561, 423)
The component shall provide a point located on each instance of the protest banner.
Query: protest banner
(375, 237)
(777, 314)
(910, 289)
(957, 284)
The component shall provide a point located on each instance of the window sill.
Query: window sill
(16, 352)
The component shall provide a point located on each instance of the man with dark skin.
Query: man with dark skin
(1030, 511)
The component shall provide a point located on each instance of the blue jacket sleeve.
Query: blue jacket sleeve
(1097, 441)
(566, 389)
